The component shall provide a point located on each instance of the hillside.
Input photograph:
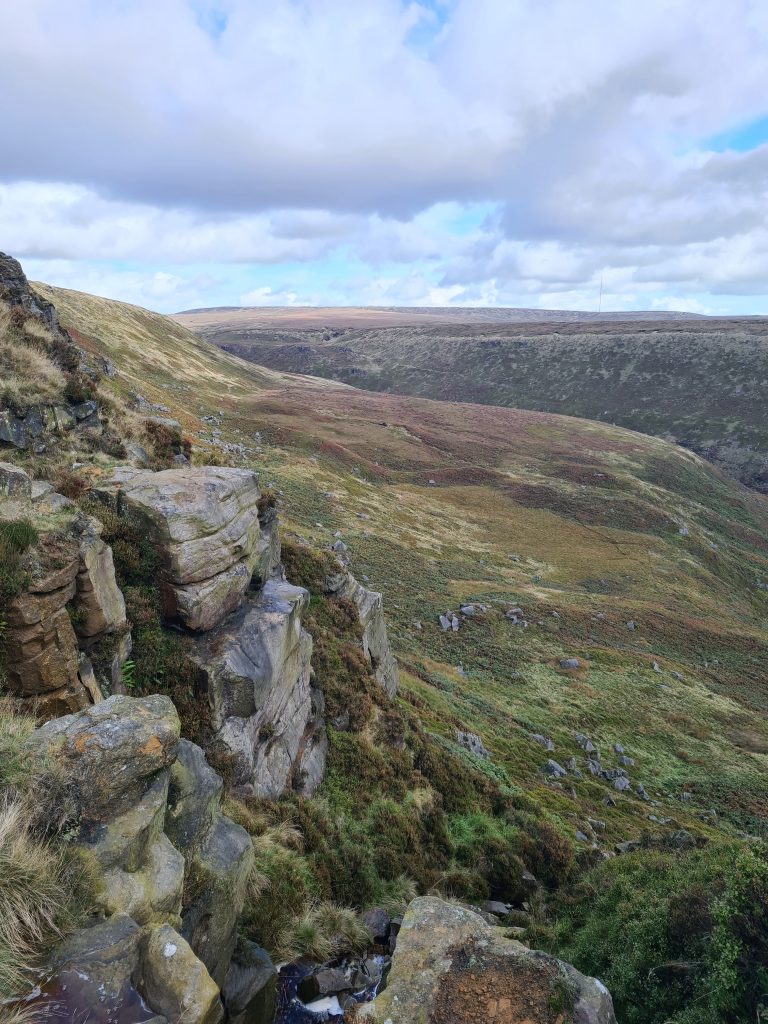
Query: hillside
(697, 381)
(608, 589)
(447, 503)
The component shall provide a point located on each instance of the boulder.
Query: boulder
(543, 741)
(256, 668)
(378, 923)
(14, 482)
(205, 524)
(112, 753)
(472, 742)
(370, 610)
(93, 967)
(450, 965)
(175, 983)
(250, 988)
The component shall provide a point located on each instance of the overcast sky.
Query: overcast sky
(181, 153)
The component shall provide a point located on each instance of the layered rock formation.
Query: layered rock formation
(450, 966)
(256, 669)
(70, 605)
(205, 525)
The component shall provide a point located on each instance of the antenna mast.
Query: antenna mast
(600, 303)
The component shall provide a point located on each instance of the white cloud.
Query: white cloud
(180, 137)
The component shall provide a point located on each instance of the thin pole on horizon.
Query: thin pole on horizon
(600, 301)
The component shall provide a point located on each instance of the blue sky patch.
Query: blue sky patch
(741, 138)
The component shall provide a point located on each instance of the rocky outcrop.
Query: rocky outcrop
(449, 965)
(28, 430)
(204, 523)
(256, 670)
(15, 291)
(370, 608)
(172, 869)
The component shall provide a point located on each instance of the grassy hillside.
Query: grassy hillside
(635, 558)
(697, 382)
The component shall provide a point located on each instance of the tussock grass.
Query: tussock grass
(45, 888)
(32, 895)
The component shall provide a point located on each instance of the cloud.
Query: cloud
(492, 150)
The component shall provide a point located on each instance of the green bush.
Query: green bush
(679, 938)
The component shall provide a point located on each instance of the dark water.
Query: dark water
(78, 999)
(291, 1010)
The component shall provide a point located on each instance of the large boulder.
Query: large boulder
(256, 668)
(112, 753)
(96, 966)
(204, 523)
(370, 610)
(218, 855)
(449, 965)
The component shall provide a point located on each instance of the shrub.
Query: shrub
(80, 388)
(342, 671)
(676, 937)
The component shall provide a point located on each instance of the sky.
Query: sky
(188, 153)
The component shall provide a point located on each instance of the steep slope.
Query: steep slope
(698, 382)
(607, 589)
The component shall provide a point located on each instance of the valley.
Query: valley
(696, 381)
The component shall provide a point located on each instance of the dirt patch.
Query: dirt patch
(482, 989)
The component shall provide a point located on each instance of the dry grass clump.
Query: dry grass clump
(45, 888)
(32, 895)
(29, 375)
